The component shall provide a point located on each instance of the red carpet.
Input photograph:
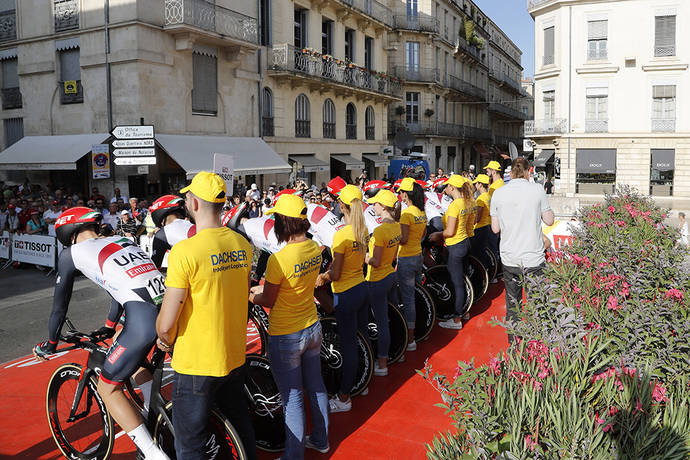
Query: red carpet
(392, 422)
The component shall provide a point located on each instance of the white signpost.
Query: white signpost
(527, 145)
(133, 143)
(224, 166)
(133, 132)
(135, 161)
(134, 152)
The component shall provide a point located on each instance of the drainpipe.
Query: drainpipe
(108, 98)
(570, 81)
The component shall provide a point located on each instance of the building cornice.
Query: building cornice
(588, 70)
(664, 67)
(548, 73)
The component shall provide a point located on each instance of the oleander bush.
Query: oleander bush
(600, 367)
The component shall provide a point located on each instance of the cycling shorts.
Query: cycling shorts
(135, 342)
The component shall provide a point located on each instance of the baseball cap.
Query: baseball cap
(289, 206)
(482, 179)
(456, 180)
(124, 212)
(493, 165)
(385, 197)
(335, 185)
(55, 203)
(208, 186)
(349, 193)
(406, 185)
(11, 206)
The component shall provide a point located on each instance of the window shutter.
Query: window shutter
(69, 65)
(665, 36)
(664, 91)
(549, 45)
(14, 130)
(10, 79)
(598, 30)
(205, 83)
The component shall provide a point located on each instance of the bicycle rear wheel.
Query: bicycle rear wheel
(265, 404)
(426, 313)
(491, 260)
(478, 275)
(257, 335)
(332, 359)
(439, 284)
(398, 332)
(89, 433)
(223, 441)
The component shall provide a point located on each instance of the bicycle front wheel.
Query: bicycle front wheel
(84, 431)
(397, 328)
(223, 441)
(332, 359)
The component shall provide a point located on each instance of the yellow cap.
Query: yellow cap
(208, 186)
(407, 185)
(289, 206)
(493, 165)
(349, 193)
(456, 180)
(482, 179)
(385, 197)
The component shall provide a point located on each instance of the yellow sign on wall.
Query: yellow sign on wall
(70, 86)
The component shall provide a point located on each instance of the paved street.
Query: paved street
(26, 298)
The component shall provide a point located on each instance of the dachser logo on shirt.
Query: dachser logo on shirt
(394, 242)
(420, 219)
(308, 266)
(229, 259)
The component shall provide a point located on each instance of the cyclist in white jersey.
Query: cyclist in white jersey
(168, 213)
(129, 276)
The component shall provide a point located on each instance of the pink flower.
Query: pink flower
(608, 427)
(495, 366)
(638, 407)
(599, 420)
(659, 393)
(612, 304)
(530, 443)
(625, 291)
(612, 209)
(675, 294)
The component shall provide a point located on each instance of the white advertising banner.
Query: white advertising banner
(34, 249)
(5, 245)
(224, 166)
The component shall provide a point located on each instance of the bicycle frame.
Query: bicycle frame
(158, 402)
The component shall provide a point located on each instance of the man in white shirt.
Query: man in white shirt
(118, 196)
(256, 196)
(517, 211)
(51, 215)
(111, 217)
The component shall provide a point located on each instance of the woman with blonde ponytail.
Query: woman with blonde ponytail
(350, 294)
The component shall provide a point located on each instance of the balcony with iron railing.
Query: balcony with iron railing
(328, 130)
(596, 126)
(267, 126)
(428, 128)
(285, 59)
(513, 84)
(66, 13)
(506, 111)
(472, 92)
(417, 22)
(370, 9)
(546, 128)
(417, 74)
(8, 26)
(217, 22)
(665, 125)
(302, 128)
(503, 141)
(11, 98)
(465, 49)
(479, 134)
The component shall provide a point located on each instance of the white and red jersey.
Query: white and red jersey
(432, 205)
(169, 236)
(324, 224)
(371, 220)
(261, 232)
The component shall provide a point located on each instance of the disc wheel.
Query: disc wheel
(332, 359)
(426, 313)
(478, 275)
(398, 332)
(265, 404)
(439, 284)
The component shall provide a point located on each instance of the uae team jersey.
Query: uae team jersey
(324, 224)
(371, 220)
(416, 221)
(386, 236)
(169, 236)
(261, 232)
(353, 254)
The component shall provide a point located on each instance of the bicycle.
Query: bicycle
(81, 425)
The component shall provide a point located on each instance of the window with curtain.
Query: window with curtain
(412, 8)
(351, 121)
(267, 112)
(350, 44)
(549, 104)
(326, 36)
(412, 107)
(664, 108)
(597, 40)
(664, 36)
(368, 53)
(412, 60)
(205, 83)
(597, 110)
(302, 116)
(300, 29)
(328, 119)
(370, 122)
(549, 45)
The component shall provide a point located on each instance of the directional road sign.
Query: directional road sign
(133, 143)
(134, 152)
(129, 161)
(133, 132)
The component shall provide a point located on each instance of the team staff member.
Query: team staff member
(204, 316)
(350, 295)
(455, 222)
(492, 170)
(295, 331)
(383, 247)
(409, 269)
(482, 220)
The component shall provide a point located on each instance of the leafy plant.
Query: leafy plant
(428, 112)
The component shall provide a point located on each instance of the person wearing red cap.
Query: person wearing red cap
(335, 185)
(12, 225)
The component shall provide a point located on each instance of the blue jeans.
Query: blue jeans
(480, 241)
(296, 366)
(351, 315)
(193, 398)
(409, 272)
(378, 294)
(456, 268)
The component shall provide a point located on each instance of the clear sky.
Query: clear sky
(512, 17)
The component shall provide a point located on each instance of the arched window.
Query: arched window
(370, 121)
(302, 116)
(267, 112)
(328, 119)
(351, 121)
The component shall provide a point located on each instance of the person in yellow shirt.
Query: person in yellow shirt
(457, 240)
(409, 269)
(383, 249)
(350, 294)
(493, 170)
(482, 220)
(294, 342)
(204, 316)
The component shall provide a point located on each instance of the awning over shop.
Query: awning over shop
(195, 153)
(543, 157)
(377, 159)
(49, 152)
(310, 163)
(596, 161)
(663, 159)
(479, 147)
(349, 161)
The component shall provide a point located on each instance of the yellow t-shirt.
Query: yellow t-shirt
(483, 202)
(214, 267)
(351, 275)
(416, 220)
(495, 185)
(462, 212)
(294, 268)
(387, 236)
(471, 216)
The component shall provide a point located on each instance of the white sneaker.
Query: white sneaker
(451, 324)
(412, 346)
(336, 405)
(401, 359)
(466, 316)
(309, 445)
(494, 281)
(380, 371)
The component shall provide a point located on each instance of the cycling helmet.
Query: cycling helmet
(231, 219)
(164, 206)
(73, 220)
(290, 191)
(372, 187)
(335, 185)
(439, 185)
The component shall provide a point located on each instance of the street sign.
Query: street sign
(134, 152)
(133, 132)
(133, 143)
(527, 145)
(143, 169)
(135, 161)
